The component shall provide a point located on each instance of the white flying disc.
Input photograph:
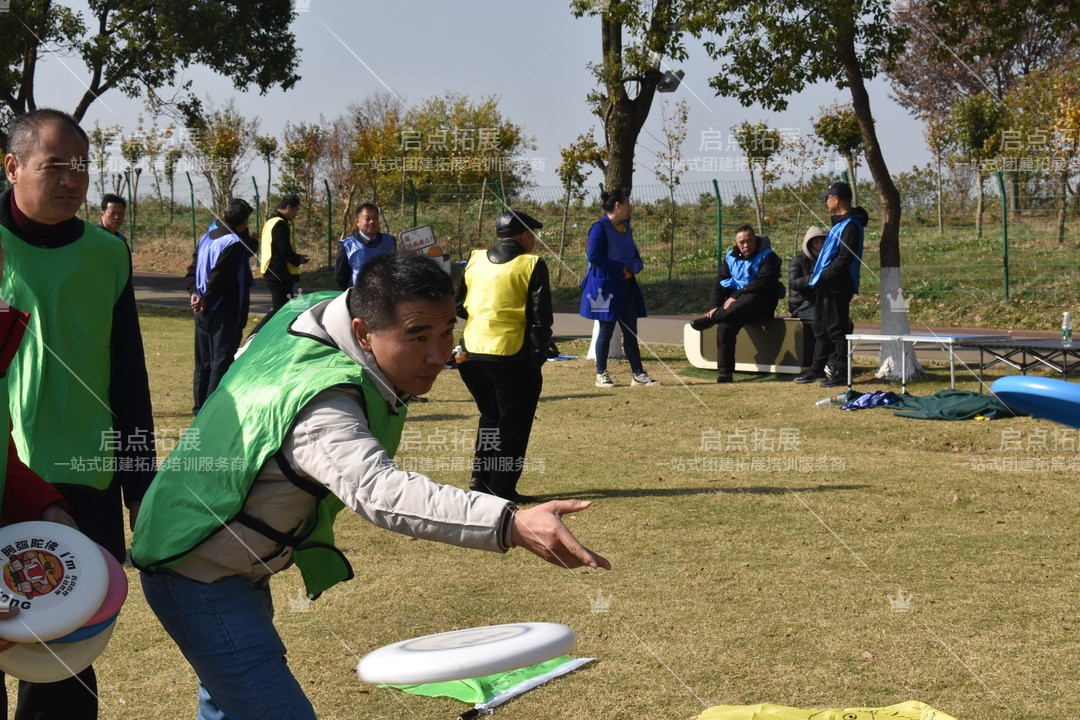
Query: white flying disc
(468, 653)
(55, 575)
(37, 662)
(1055, 400)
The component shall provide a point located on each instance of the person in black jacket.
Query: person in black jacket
(219, 280)
(505, 298)
(279, 261)
(801, 296)
(747, 289)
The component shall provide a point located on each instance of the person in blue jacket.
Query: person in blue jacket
(367, 243)
(747, 289)
(835, 280)
(610, 290)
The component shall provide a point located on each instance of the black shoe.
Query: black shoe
(477, 486)
(808, 377)
(519, 499)
(702, 323)
(830, 382)
(723, 379)
(831, 373)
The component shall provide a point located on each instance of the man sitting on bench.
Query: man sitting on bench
(747, 289)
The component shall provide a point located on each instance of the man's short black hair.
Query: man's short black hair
(390, 280)
(745, 227)
(111, 198)
(24, 130)
(370, 207)
(288, 201)
(236, 213)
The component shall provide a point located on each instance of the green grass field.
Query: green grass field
(733, 583)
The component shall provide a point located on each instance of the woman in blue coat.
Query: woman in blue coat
(611, 293)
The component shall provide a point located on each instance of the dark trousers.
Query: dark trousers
(281, 291)
(746, 308)
(628, 320)
(506, 393)
(100, 516)
(832, 321)
(217, 337)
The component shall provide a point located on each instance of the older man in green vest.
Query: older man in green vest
(304, 424)
(79, 394)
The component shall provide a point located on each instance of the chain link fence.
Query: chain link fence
(1027, 248)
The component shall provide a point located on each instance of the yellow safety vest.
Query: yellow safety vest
(496, 299)
(265, 249)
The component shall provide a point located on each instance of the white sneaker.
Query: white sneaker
(604, 380)
(643, 378)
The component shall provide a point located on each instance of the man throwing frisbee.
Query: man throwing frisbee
(305, 423)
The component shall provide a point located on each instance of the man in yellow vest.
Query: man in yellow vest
(279, 262)
(505, 297)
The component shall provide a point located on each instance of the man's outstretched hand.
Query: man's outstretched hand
(541, 531)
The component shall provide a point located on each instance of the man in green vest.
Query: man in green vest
(304, 424)
(79, 394)
(505, 297)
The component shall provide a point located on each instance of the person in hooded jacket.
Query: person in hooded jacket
(747, 289)
(835, 281)
(801, 297)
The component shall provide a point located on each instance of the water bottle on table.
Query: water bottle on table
(1066, 330)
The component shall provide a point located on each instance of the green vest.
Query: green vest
(59, 380)
(203, 485)
(496, 299)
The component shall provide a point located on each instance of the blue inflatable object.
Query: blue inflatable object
(1055, 400)
(85, 632)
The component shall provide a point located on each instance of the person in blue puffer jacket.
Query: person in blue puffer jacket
(747, 289)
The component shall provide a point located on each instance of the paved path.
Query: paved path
(170, 291)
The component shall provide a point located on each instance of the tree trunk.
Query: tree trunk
(979, 180)
(1064, 206)
(671, 253)
(854, 183)
(562, 238)
(892, 323)
(1014, 183)
(757, 201)
(622, 117)
(940, 199)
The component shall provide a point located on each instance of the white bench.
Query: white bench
(778, 345)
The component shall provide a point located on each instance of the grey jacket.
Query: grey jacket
(330, 444)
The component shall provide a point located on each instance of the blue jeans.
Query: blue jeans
(226, 631)
(628, 320)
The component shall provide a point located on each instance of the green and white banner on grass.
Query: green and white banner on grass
(490, 691)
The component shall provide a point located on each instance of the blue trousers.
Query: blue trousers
(225, 629)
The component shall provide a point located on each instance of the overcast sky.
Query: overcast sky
(533, 56)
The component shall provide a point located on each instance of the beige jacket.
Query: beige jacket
(330, 444)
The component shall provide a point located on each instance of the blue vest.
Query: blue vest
(358, 253)
(208, 253)
(743, 270)
(831, 249)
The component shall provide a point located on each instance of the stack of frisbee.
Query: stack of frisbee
(69, 591)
